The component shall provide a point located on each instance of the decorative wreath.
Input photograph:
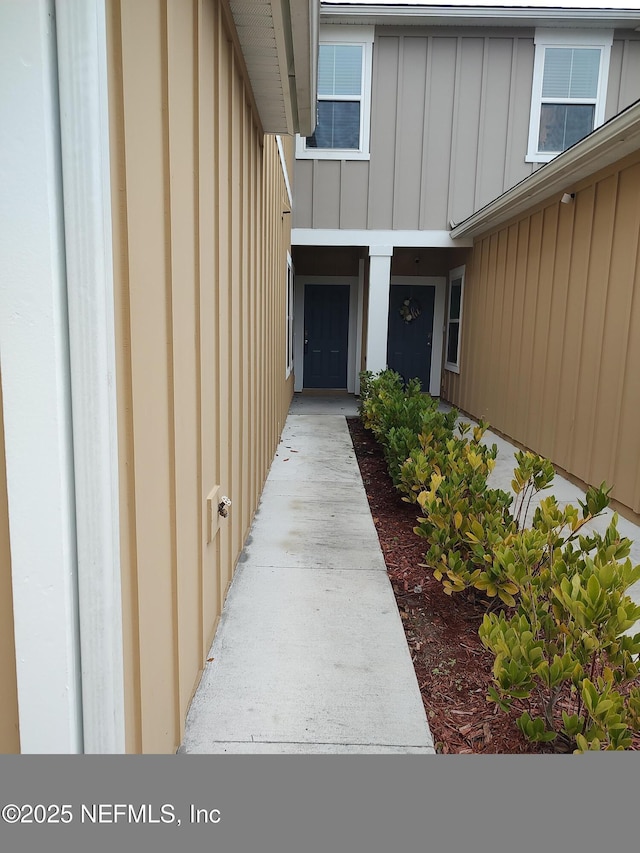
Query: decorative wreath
(410, 309)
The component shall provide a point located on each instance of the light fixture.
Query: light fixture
(567, 198)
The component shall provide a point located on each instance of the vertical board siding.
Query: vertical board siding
(440, 85)
(200, 245)
(626, 83)
(384, 121)
(550, 352)
(9, 722)
(449, 129)
(408, 161)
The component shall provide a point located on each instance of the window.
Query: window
(454, 320)
(289, 316)
(569, 90)
(344, 96)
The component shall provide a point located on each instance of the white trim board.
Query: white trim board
(365, 237)
(34, 352)
(82, 73)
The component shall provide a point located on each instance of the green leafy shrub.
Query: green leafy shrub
(565, 656)
(397, 413)
(463, 520)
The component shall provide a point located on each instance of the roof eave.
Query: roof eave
(444, 15)
(607, 144)
(278, 40)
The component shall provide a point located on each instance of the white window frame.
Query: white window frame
(289, 318)
(361, 36)
(454, 274)
(600, 39)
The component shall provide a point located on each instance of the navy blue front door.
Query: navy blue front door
(411, 331)
(326, 335)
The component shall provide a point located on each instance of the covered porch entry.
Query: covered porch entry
(368, 308)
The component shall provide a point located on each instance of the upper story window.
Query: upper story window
(569, 89)
(344, 96)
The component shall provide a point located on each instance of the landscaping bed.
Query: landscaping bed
(453, 668)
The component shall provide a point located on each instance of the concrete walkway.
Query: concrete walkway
(310, 654)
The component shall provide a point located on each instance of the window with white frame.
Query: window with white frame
(343, 107)
(569, 89)
(289, 317)
(454, 320)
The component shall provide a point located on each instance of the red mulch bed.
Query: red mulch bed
(452, 666)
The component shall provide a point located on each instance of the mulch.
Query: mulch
(452, 666)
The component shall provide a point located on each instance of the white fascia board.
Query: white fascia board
(282, 35)
(435, 15)
(364, 237)
(305, 24)
(612, 141)
(284, 86)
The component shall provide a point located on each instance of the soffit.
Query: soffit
(277, 42)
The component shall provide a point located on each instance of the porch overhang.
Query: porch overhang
(279, 43)
(615, 139)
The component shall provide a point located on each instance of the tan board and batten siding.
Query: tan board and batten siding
(551, 331)
(449, 128)
(9, 722)
(200, 267)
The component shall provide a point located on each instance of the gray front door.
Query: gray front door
(326, 335)
(410, 337)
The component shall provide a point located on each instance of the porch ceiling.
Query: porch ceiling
(279, 41)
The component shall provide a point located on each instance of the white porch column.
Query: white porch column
(34, 354)
(378, 321)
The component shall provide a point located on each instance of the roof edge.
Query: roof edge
(478, 15)
(608, 143)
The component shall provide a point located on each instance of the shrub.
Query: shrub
(565, 656)
(397, 413)
(465, 521)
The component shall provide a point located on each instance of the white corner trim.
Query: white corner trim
(364, 237)
(34, 353)
(82, 71)
(285, 171)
